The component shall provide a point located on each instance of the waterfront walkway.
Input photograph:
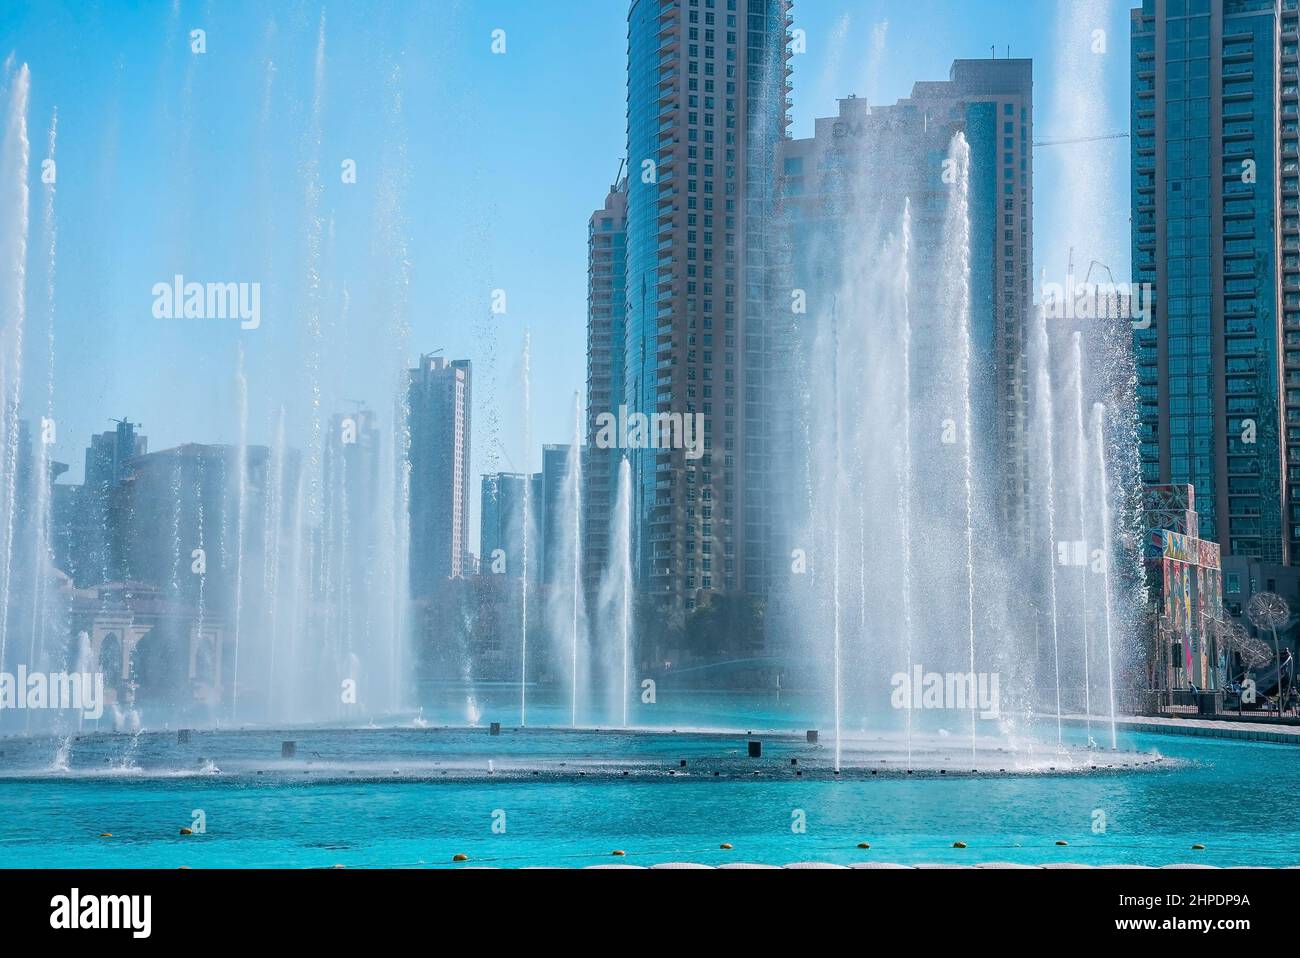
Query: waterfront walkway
(1249, 730)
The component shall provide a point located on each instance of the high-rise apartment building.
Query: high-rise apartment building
(844, 189)
(707, 103)
(606, 326)
(1216, 232)
(87, 517)
(440, 403)
(351, 524)
(508, 499)
(554, 517)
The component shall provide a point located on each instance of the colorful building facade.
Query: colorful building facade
(1185, 573)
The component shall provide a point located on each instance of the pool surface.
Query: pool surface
(417, 796)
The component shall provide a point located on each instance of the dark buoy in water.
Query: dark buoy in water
(495, 729)
(288, 749)
(683, 763)
(812, 736)
(182, 736)
(794, 761)
(755, 749)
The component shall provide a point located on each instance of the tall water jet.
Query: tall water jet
(837, 639)
(1040, 349)
(392, 649)
(905, 454)
(1078, 113)
(241, 503)
(299, 584)
(1103, 502)
(43, 525)
(616, 590)
(13, 261)
(958, 274)
(314, 230)
(573, 495)
(1081, 499)
(399, 551)
(201, 601)
(273, 523)
(527, 374)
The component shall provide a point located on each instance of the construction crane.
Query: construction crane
(1081, 139)
(502, 446)
(1087, 277)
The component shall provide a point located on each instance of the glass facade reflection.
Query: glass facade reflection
(1210, 82)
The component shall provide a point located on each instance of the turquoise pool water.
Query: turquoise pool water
(415, 797)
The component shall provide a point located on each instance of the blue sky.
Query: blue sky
(478, 170)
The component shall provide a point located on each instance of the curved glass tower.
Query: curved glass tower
(707, 104)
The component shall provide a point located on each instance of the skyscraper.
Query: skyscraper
(350, 528)
(707, 103)
(440, 406)
(86, 517)
(848, 182)
(606, 325)
(554, 516)
(183, 498)
(501, 524)
(1216, 232)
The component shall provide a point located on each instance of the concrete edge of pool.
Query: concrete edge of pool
(1225, 728)
(892, 866)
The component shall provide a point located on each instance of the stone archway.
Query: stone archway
(110, 660)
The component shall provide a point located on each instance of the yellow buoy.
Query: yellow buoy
(1062, 843)
(1198, 847)
(864, 844)
(725, 846)
(106, 835)
(618, 852)
(958, 844)
(460, 858)
(187, 831)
